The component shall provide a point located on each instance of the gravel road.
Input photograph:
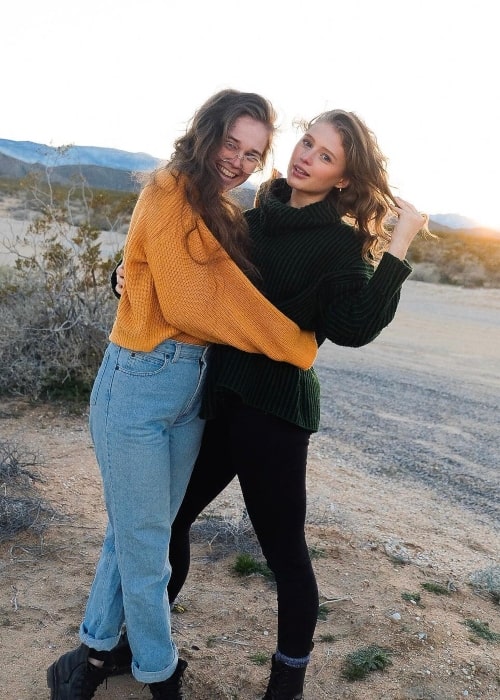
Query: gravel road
(421, 403)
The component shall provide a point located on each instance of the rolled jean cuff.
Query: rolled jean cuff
(155, 676)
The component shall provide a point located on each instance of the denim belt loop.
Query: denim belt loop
(177, 352)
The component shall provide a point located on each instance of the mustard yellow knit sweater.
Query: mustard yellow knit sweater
(173, 292)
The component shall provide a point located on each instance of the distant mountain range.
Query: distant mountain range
(113, 169)
(30, 152)
(102, 168)
(454, 221)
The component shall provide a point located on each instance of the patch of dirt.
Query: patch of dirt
(373, 541)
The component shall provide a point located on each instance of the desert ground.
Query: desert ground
(403, 491)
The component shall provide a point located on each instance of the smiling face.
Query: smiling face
(248, 140)
(317, 165)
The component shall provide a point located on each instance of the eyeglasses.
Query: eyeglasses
(249, 162)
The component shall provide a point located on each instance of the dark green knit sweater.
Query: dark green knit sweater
(312, 270)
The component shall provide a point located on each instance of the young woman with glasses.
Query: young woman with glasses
(329, 259)
(186, 255)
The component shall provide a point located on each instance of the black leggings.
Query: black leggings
(268, 455)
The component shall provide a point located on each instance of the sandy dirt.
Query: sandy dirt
(403, 490)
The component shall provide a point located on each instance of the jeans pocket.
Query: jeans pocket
(141, 364)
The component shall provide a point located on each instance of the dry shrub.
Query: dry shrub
(21, 509)
(56, 306)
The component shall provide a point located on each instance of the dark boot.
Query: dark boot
(286, 682)
(73, 677)
(171, 689)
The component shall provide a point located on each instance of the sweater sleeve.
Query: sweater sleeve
(201, 291)
(355, 312)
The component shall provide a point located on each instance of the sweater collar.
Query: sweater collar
(280, 218)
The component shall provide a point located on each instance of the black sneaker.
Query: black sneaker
(120, 659)
(171, 689)
(72, 677)
(285, 683)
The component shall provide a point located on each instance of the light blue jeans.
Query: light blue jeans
(146, 431)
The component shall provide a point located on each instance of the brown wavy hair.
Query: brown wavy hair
(367, 201)
(194, 156)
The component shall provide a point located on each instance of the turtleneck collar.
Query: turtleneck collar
(280, 218)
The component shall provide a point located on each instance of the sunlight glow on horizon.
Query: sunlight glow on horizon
(433, 104)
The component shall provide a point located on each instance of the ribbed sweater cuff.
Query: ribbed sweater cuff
(390, 275)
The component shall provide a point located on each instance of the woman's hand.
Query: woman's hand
(409, 223)
(120, 279)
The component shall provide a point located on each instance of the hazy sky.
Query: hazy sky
(128, 74)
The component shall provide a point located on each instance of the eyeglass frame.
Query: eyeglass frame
(250, 158)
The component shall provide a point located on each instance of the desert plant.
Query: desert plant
(260, 658)
(316, 552)
(328, 638)
(487, 581)
(232, 530)
(56, 307)
(482, 629)
(322, 613)
(21, 508)
(358, 664)
(411, 597)
(246, 565)
(437, 588)
(14, 463)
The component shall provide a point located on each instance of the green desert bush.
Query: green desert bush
(260, 658)
(437, 588)
(358, 664)
(246, 565)
(482, 630)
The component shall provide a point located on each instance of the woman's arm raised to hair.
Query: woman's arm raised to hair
(409, 223)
